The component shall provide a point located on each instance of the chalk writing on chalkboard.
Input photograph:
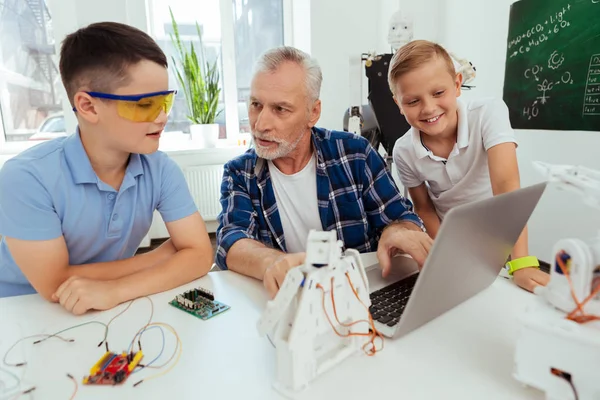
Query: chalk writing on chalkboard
(547, 80)
(591, 100)
(552, 74)
(540, 32)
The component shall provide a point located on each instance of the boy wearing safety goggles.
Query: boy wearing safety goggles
(74, 210)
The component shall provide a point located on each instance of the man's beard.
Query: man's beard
(283, 148)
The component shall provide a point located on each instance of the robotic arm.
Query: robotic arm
(581, 180)
(313, 329)
(464, 67)
(575, 272)
(558, 350)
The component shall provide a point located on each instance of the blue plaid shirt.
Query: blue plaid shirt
(356, 195)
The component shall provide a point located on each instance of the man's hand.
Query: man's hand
(399, 239)
(529, 278)
(78, 295)
(275, 274)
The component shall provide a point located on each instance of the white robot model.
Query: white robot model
(320, 316)
(400, 30)
(558, 350)
(465, 68)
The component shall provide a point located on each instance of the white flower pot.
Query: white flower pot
(205, 135)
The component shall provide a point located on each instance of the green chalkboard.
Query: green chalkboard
(552, 78)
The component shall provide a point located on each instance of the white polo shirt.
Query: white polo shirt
(464, 176)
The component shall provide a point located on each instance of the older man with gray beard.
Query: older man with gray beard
(299, 177)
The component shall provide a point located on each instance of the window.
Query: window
(53, 125)
(258, 26)
(235, 33)
(29, 79)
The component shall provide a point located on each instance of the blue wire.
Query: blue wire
(106, 364)
(139, 335)
(6, 388)
(162, 349)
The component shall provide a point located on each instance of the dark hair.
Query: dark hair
(98, 56)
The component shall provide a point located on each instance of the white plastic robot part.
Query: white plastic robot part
(576, 178)
(278, 306)
(465, 68)
(547, 340)
(577, 259)
(400, 30)
(302, 326)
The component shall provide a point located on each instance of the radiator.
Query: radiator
(205, 185)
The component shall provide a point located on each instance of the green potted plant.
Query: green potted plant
(199, 81)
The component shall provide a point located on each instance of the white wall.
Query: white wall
(480, 36)
(341, 30)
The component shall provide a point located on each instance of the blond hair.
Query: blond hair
(414, 54)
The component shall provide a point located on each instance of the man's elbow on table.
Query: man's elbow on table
(204, 261)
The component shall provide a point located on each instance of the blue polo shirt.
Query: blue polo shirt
(51, 190)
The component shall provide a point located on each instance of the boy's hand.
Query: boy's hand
(275, 274)
(398, 238)
(529, 278)
(78, 295)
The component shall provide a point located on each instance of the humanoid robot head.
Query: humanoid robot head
(400, 30)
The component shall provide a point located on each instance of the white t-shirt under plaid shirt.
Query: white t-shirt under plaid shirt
(296, 197)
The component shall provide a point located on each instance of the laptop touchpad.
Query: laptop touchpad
(402, 266)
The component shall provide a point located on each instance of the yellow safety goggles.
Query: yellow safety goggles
(140, 107)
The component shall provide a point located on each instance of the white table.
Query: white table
(465, 354)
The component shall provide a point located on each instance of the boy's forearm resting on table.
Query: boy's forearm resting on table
(117, 269)
(182, 267)
(251, 258)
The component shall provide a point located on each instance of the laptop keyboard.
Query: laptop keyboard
(388, 303)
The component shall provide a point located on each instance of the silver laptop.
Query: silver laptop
(469, 252)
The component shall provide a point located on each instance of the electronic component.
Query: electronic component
(558, 348)
(309, 336)
(200, 303)
(112, 368)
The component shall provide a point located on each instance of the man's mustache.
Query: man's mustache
(266, 137)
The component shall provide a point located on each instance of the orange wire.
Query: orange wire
(335, 312)
(587, 299)
(583, 318)
(76, 386)
(375, 333)
(372, 335)
(565, 272)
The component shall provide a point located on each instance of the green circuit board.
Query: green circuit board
(200, 303)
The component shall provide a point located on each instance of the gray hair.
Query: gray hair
(273, 58)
